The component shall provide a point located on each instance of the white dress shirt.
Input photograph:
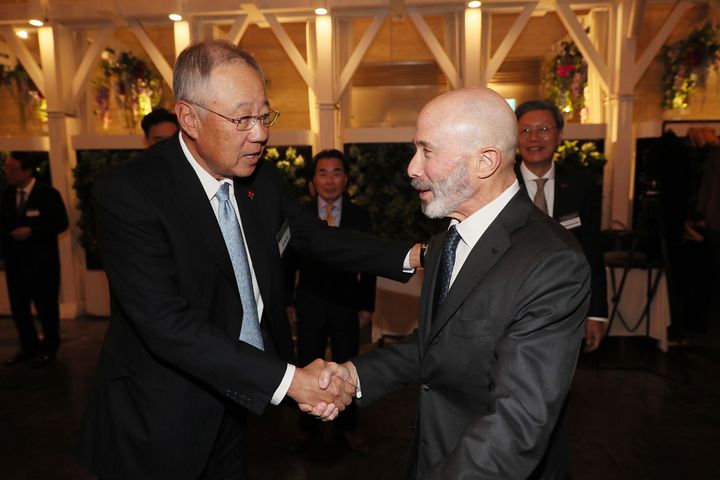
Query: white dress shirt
(336, 209)
(211, 186)
(529, 178)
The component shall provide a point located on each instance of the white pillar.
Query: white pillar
(58, 76)
(181, 32)
(472, 55)
(327, 136)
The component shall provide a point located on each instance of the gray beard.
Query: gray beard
(448, 193)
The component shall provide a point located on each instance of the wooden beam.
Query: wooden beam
(441, 57)
(510, 38)
(581, 39)
(87, 66)
(291, 50)
(25, 57)
(238, 29)
(359, 52)
(153, 52)
(660, 37)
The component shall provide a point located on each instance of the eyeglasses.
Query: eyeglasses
(542, 132)
(248, 121)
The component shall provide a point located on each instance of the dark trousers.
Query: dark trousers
(40, 287)
(228, 457)
(317, 325)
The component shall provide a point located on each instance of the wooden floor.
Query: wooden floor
(634, 413)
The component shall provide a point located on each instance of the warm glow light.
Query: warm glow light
(22, 34)
(474, 4)
(35, 22)
(321, 11)
(175, 17)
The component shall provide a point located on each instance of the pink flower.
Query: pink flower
(565, 70)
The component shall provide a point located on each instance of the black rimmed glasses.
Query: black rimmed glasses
(542, 132)
(247, 122)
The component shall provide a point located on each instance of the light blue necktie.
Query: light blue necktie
(230, 227)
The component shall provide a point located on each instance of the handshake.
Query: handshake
(323, 389)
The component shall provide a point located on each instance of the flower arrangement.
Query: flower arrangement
(687, 63)
(135, 86)
(27, 95)
(291, 166)
(572, 154)
(564, 77)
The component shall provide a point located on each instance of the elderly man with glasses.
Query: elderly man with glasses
(192, 240)
(569, 196)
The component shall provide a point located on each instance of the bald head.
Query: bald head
(465, 142)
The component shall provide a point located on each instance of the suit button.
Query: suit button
(425, 387)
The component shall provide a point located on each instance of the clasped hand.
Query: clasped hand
(323, 389)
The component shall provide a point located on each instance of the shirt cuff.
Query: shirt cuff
(598, 319)
(284, 385)
(358, 390)
(406, 265)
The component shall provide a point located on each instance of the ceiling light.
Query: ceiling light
(321, 11)
(175, 17)
(22, 34)
(474, 4)
(35, 22)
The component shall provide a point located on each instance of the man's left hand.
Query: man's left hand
(594, 331)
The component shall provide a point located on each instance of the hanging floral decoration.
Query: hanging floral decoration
(135, 86)
(687, 63)
(30, 100)
(291, 166)
(564, 77)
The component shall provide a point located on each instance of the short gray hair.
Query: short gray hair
(195, 64)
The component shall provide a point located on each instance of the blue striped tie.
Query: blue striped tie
(230, 227)
(447, 263)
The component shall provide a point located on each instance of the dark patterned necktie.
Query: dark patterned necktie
(447, 262)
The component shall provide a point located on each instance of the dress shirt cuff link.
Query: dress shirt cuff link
(284, 385)
(598, 319)
(406, 264)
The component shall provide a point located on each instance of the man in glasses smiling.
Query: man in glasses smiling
(569, 196)
(192, 236)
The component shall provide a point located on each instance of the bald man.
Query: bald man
(503, 304)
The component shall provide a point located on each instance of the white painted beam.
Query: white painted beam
(153, 52)
(660, 37)
(291, 50)
(441, 57)
(581, 39)
(238, 29)
(25, 57)
(87, 66)
(510, 38)
(359, 52)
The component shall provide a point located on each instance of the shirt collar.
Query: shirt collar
(529, 176)
(473, 227)
(209, 183)
(336, 204)
(28, 188)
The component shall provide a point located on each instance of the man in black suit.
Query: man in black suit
(159, 125)
(570, 196)
(192, 235)
(502, 304)
(33, 215)
(329, 302)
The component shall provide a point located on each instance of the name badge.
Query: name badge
(283, 237)
(570, 221)
(32, 213)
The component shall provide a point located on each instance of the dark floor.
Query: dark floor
(657, 419)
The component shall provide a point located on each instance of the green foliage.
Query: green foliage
(570, 155)
(90, 165)
(291, 166)
(686, 64)
(379, 182)
(564, 77)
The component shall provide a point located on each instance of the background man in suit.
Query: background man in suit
(191, 234)
(159, 125)
(503, 300)
(329, 302)
(33, 215)
(570, 196)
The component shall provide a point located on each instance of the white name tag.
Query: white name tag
(32, 213)
(283, 237)
(570, 221)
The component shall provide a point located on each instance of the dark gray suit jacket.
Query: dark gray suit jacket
(496, 360)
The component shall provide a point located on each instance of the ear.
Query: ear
(188, 119)
(487, 163)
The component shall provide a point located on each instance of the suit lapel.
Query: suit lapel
(563, 195)
(487, 251)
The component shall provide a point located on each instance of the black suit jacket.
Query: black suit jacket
(319, 281)
(496, 360)
(46, 216)
(171, 362)
(577, 195)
